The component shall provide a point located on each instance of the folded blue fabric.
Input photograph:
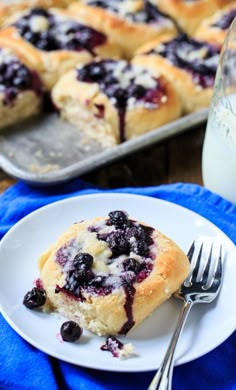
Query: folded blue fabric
(24, 367)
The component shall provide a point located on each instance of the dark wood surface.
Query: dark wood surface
(175, 160)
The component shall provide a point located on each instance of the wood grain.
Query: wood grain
(175, 160)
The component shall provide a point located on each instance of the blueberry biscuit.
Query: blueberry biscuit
(108, 274)
(189, 64)
(114, 101)
(130, 23)
(56, 40)
(20, 89)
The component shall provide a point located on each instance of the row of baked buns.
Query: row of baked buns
(115, 69)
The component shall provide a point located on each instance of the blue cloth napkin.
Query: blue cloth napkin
(26, 368)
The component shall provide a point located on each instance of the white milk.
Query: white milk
(219, 151)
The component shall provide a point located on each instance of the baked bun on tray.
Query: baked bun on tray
(215, 28)
(189, 64)
(128, 23)
(109, 273)
(189, 14)
(20, 88)
(113, 101)
(56, 40)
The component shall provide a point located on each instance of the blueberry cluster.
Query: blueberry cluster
(178, 51)
(14, 76)
(80, 277)
(127, 237)
(225, 21)
(59, 34)
(102, 72)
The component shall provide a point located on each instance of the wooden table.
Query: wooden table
(175, 160)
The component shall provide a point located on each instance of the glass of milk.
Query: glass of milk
(219, 149)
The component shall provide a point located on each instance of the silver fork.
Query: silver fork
(201, 286)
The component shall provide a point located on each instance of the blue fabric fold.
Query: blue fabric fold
(26, 368)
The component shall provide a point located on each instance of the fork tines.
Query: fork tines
(203, 269)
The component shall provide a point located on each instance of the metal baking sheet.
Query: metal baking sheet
(46, 150)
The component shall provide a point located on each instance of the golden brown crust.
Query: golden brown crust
(106, 314)
(127, 34)
(208, 32)
(51, 65)
(140, 119)
(24, 105)
(222, 3)
(79, 103)
(188, 15)
(192, 95)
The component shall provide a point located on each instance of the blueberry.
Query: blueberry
(131, 264)
(118, 243)
(14, 76)
(2, 68)
(103, 4)
(76, 279)
(10, 95)
(70, 331)
(29, 36)
(97, 282)
(140, 248)
(39, 12)
(84, 74)
(121, 97)
(71, 283)
(136, 91)
(84, 260)
(118, 218)
(136, 232)
(35, 298)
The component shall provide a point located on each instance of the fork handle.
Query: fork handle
(163, 378)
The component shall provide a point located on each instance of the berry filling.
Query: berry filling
(126, 85)
(129, 260)
(49, 32)
(200, 59)
(16, 77)
(149, 14)
(225, 21)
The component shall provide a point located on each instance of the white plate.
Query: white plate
(207, 326)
